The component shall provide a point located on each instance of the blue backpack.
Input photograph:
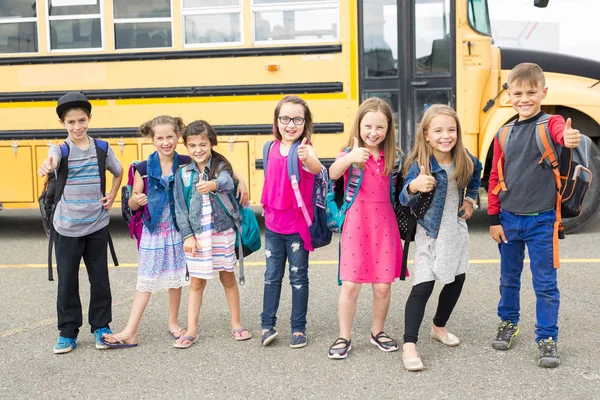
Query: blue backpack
(319, 232)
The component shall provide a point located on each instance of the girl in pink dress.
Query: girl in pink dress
(371, 251)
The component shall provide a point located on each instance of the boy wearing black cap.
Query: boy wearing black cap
(81, 221)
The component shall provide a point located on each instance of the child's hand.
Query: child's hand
(497, 233)
(204, 187)
(140, 198)
(190, 245)
(571, 136)
(303, 150)
(359, 154)
(242, 192)
(107, 201)
(48, 165)
(423, 183)
(467, 207)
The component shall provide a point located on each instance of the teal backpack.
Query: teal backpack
(339, 200)
(247, 239)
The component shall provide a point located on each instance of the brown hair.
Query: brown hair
(527, 73)
(308, 122)
(375, 104)
(422, 151)
(204, 129)
(147, 128)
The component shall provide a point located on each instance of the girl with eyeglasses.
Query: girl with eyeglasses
(286, 232)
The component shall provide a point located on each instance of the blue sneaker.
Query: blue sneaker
(64, 345)
(98, 335)
(267, 337)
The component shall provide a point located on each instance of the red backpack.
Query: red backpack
(134, 219)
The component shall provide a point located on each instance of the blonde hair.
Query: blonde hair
(147, 128)
(390, 151)
(422, 151)
(527, 73)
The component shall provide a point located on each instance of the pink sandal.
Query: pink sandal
(182, 345)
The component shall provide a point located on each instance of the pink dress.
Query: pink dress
(282, 213)
(371, 250)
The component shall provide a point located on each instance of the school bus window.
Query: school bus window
(479, 17)
(75, 24)
(212, 22)
(380, 39)
(142, 24)
(296, 20)
(432, 38)
(18, 26)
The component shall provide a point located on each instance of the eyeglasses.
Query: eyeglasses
(286, 120)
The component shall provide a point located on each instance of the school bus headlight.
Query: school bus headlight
(272, 67)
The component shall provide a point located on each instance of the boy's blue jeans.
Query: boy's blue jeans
(535, 232)
(278, 248)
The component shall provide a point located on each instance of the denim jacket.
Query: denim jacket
(159, 191)
(189, 220)
(433, 217)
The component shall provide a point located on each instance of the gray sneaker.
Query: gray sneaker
(507, 331)
(548, 353)
(298, 341)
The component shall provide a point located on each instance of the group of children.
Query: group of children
(187, 230)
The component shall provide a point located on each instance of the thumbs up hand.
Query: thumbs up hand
(204, 187)
(423, 183)
(571, 136)
(140, 198)
(48, 165)
(359, 154)
(303, 150)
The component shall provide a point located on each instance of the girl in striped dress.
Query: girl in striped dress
(207, 229)
(161, 260)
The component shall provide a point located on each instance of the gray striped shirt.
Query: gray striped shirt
(79, 212)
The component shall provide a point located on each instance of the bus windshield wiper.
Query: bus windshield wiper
(490, 103)
(595, 84)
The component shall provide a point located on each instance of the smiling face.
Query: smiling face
(293, 114)
(526, 98)
(373, 129)
(165, 139)
(199, 148)
(441, 135)
(76, 123)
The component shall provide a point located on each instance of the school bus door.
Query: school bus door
(406, 55)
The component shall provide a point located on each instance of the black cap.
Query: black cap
(72, 100)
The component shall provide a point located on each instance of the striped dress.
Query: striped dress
(217, 249)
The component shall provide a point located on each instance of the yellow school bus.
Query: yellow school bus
(230, 61)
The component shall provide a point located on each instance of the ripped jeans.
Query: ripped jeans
(278, 247)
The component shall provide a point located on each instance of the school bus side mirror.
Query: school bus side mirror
(540, 3)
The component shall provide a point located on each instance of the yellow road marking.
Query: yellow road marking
(318, 262)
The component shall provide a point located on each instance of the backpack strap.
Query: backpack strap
(292, 162)
(550, 158)
(503, 135)
(354, 180)
(187, 189)
(101, 155)
(266, 151)
(61, 174)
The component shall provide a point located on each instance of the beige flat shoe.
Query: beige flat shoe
(448, 340)
(412, 363)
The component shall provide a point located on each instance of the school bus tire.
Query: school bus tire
(591, 204)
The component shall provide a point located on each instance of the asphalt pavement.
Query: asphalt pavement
(219, 367)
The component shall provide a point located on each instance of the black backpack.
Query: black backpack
(54, 187)
(407, 218)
